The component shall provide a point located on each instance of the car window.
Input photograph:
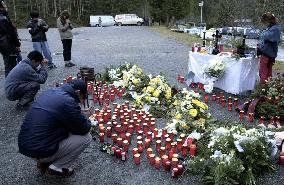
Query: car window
(128, 17)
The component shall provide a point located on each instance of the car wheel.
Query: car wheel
(119, 24)
(139, 24)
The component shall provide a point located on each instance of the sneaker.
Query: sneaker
(65, 172)
(72, 63)
(68, 65)
(42, 167)
(51, 66)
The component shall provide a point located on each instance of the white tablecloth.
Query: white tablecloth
(240, 75)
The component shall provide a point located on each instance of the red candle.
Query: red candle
(242, 113)
(128, 137)
(118, 153)
(157, 162)
(112, 151)
(168, 165)
(164, 132)
(155, 132)
(123, 156)
(139, 138)
(135, 151)
(152, 159)
(184, 150)
(175, 173)
(102, 137)
(140, 146)
(102, 129)
(178, 78)
(162, 151)
(182, 79)
(125, 145)
(192, 150)
(223, 102)
(147, 143)
(213, 97)
(236, 102)
(171, 153)
(137, 159)
(230, 100)
(174, 162)
(179, 144)
(149, 151)
(182, 136)
(189, 141)
(108, 131)
(281, 160)
(271, 120)
(206, 98)
(230, 106)
(180, 169)
(131, 129)
(251, 117)
(262, 120)
(158, 145)
(168, 143)
(165, 158)
(174, 146)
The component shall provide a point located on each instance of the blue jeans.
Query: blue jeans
(43, 48)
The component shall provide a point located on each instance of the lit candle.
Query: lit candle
(230, 106)
(192, 150)
(128, 137)
(262, 120)
(135, 151)
(157, 162)
(150, 135)
(152, 159)
(242, 115)
(165, 158)
(236, 102)
(271, 120)
(140, 146)
(155, 132)
(180, 169)
(147, 143)
(184, 150)
(174, 146)
(125, 146)
(174, 162)
(139, 138)
(102, 137)
(123, 156)
(158, 145)
(171, 153)
(206, 98)
(168, 165)
(168, 143)
(162, 151)
(118, 153)
(251, 117)
(119, 142)
(223, 102)
(131, 129)
(281, 159)
(149, 151)
(179, 144)
(137, 159)
(189, 141)
(213, 97)
(102, 129)
(182, 136)
(175, 173)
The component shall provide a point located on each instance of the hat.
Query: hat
(79, 84)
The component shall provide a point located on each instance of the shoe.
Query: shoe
(72, 63)
(42, 167)
(68, 65)
(65, 172)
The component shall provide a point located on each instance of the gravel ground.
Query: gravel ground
(100, 48)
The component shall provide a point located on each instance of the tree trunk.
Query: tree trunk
(15, 12)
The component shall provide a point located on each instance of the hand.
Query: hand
(44, 62)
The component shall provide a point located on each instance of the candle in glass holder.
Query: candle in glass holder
(171, 153)
(150, 135)
(147, 143)
(108, 131)
(140, 146)
(112, 150)
(277, 121)
(180, 169)
(168, 143)
(184, 150)
(281, 159)
(164, 132)
(206, 98)
(118, 153)
(102, 129)
(157, 162)
(271, 120)
(179, 144)
(149, 151)
(165, 158)
(192, 150)
(167, 165)
(114, 138)
(119, 142)
(135, 151)
(230, 106)
(182, 136)
(218, 99)
(155, 132)
(123, 156)
(174, 162)
(236, 102)
(223, 102)
(250, 117)
(158, 145)
(140, 133)
(162, 151)
(152, 159)
(139, 138)
(102, 137)
(175, 173)
(174, 146)
(128, 137)
(131, 129)
(137, 159)
(242, 114)
(125, 145)
(214, 97)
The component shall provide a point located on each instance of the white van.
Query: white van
(107, 20)
(128, 19)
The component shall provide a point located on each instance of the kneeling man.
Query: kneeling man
(54, 131)
(23, 81)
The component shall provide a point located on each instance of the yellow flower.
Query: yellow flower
(150, 89)
(175, 103)
(168, 95)
(193, 112)
(135, 81)
(148, 99)
(178, 116)
(184, 126)
(156, 93)
(201, 121)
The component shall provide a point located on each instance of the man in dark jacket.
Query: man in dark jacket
(37, 28)
(23, 82)
(54, 131)
(9, 42)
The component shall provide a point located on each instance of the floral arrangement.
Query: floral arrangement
(235, 155)
(215, 69)
(155, 96)
(272, 98)
(188, 112)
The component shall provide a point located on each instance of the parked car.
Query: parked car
(128, 19)
(209, 33)
(107, 20)
(251, 33)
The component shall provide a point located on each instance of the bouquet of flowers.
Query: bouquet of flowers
(156, 95)
(215, 69)
(188, 112)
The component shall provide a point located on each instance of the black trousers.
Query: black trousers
(10, 61)
(67, 45)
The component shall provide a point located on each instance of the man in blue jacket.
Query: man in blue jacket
(54, 131)
(23, 81)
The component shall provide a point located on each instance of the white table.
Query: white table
(240, 75)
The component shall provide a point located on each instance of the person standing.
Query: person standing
(9, 42)
(65, 27)
(268, 45)
(23, 82)
(55, 131)
(100, 22)
(37, 28)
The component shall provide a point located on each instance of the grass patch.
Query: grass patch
(182, 37)
(278, 66)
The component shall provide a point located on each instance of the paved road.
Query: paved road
(100, 48)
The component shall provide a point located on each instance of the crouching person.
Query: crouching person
(54, 131)
(23, 81)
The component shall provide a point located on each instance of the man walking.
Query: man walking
(9, 42)
(37, 28)
(54, 131)
(23, 82)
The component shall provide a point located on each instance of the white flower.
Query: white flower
(238, 146)
(195, 135)
(217, 154)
